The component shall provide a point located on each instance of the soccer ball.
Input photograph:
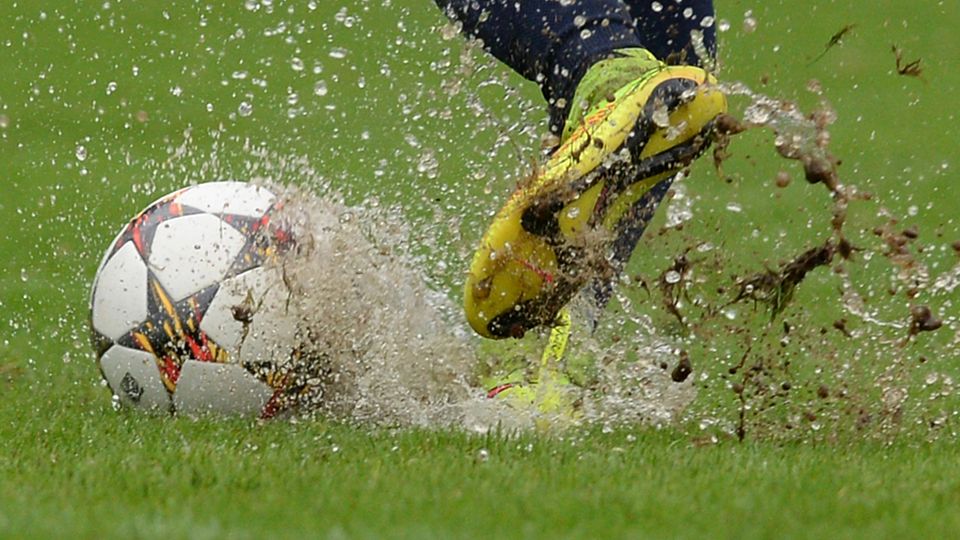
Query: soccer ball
(187, 309)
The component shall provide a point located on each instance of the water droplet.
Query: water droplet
(176, 91)
(296, 64)
(723, 25)
(111, 87)
(245, 108)
(579, 21)
(483, 455)
(672, 276)
(661, 116)
(320, 88)
(749, 22)
(450, 30)
(338, 53)
(657, 7)
(81, 152)
(428, 164)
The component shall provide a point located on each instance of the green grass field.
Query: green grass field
(104, 106)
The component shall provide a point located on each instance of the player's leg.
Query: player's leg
(548, 42)
(588, 55)
(672, 30)
(631, 123)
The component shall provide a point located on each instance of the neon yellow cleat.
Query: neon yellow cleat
(551, 236)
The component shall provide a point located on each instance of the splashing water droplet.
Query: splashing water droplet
(749, 22)
(428, 164)
(450, 30)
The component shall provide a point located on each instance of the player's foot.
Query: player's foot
(643, 122)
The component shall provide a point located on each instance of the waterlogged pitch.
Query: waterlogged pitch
(780, 357)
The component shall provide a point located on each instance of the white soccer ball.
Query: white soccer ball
(188, 307)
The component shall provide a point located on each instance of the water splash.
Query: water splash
(394, 349)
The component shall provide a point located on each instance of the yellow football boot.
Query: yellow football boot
(642, 123)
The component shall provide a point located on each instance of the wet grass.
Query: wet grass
(394, 124)
(71, 470)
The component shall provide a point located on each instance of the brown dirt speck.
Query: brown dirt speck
(684, 368)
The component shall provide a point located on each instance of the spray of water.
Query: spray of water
(393, 351)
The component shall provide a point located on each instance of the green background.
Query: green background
(105, 106)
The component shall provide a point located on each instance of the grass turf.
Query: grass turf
(122, 86)
(95, 473)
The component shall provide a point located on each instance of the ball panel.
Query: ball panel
(228, 198)
(248, 317)
(172, 332)
(119, 301)
(206, 387)
(134, 377)
(193, 252)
